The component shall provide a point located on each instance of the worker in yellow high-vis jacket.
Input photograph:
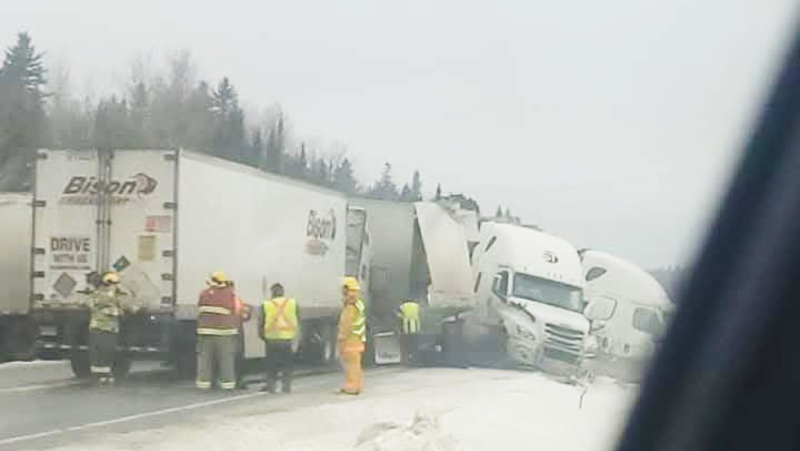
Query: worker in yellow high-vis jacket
(409, 330)
(279, 327)
(352, 336)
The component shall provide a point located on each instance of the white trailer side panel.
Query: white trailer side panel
(259, 229)
(445, 241)
(15, 252)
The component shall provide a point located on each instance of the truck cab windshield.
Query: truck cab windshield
(548, 292)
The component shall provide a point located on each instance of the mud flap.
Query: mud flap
(387, 348)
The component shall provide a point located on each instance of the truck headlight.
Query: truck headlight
(590, 345)
(525, 333)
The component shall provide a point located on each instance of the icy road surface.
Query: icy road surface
(474, 409)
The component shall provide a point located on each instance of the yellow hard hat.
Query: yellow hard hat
(351, 284)
(217, 278)
(111, 277)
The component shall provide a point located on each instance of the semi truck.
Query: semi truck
(165, 219)
(528, 303)
(17, 330)
(627, 308)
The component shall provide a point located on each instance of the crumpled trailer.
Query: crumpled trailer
(419, 251)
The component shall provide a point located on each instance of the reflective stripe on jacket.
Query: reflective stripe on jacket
(410, 317)
(280, 318)
(353, 322)
(216, 312)
(105, 310)
(360, 322)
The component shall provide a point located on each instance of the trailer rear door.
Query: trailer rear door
(65, 224)
(98, 211)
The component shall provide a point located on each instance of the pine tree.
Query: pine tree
(499, 213)
(416, 187)
(140, 115)
(385, 188)
(22, 115)
(276, 147)
(302, 163)
(438, 191)
(343, 178)
(229, 131)
(257, 157)
(405, 194)
(23, 67)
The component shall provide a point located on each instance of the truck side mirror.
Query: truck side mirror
(589, 310)
(499, 287)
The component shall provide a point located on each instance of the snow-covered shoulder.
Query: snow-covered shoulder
(433, 409)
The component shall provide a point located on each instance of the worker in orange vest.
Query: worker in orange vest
(352, 336)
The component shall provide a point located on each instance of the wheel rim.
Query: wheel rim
(327, 353)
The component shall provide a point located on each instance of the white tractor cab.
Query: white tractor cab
(627, 308)
(529, 292)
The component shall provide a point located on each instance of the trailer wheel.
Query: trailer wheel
(368, 358)
(79, 362)
(330, 341)
(122, 365)
(20, 340)
(78, 333)
(184, 350)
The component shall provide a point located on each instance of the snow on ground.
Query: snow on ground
(475, 409)
(30, 364)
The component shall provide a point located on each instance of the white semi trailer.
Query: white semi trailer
(17, 330)
(164, 219)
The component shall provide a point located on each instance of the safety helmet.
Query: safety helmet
(351, 284)
(110, 278)
(218, 278)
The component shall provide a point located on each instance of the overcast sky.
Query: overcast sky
(613, 123)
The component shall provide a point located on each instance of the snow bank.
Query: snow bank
(426, 409)
(31, 364)
(424, 433)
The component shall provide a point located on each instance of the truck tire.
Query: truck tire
(20, 340)
(78, 335)
(331, 341)
(79, 362)
(368, 359)
(184, 350)
(122, 366)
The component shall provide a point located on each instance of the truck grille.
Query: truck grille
(563, 343)
(564, 356)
